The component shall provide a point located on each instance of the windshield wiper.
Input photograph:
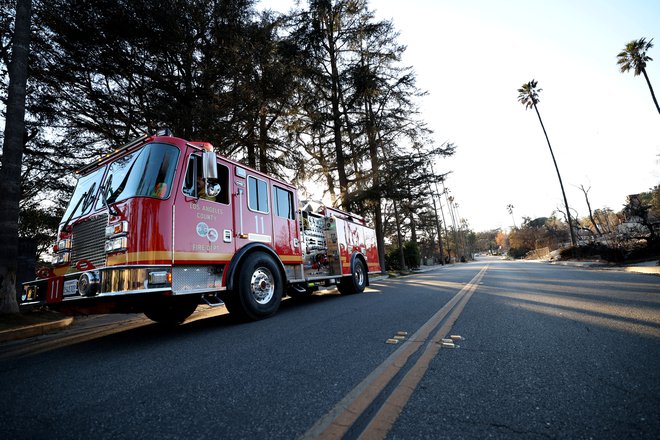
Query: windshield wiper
(84, 196)
(104, 199)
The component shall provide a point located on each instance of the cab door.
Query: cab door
(203, 223)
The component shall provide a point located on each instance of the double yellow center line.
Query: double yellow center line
(336, 423)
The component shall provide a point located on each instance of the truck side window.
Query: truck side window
(257, 195)
(223, 180)
(283, 203)
(193, 184)
(189, 182)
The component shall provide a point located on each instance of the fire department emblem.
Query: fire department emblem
(202, 229)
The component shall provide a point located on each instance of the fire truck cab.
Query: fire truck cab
(164, 224)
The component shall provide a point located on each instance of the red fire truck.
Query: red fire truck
(164, 224)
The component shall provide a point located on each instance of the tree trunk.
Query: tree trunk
(251, 153)
(399, 238)
(355, 156)
(263, 141)
(327, 173)
(561, 184)
(591, 215)
(10, 173)
(651, 89)
(438, 227)
(373, 140)
(444, 221)
(336, 120)
(380, 241)
(411, 216)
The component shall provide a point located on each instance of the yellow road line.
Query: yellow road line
(384, 419)
(342, 417)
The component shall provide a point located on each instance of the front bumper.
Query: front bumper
(126, 280)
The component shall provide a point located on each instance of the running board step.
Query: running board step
(213, 300)
(298, 288)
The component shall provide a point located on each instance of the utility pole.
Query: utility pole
(437, 220)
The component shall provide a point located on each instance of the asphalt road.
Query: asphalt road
(548, 352)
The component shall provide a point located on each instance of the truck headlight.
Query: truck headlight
(63, 245)
(29, 293)
(116, 229)
(116, 244)
(61, 258)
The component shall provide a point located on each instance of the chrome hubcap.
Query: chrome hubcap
(359, 275)
(262, 285)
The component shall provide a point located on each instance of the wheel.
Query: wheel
(172, 311)
(259, 288)
(356, 282)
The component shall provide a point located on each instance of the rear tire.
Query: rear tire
(171, 311)
(356, 282)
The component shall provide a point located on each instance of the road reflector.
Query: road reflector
(392, 341)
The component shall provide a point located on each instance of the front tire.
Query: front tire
(356, 282)
(259, 288)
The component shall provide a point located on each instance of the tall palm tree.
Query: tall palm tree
(528, 96)
(634, 58)
(509, 208)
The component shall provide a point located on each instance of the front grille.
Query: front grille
(89, 241)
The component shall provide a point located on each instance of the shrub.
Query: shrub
(411, 255)
(517, 253)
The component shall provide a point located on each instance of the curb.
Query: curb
(649, 270)
(34, 330)
(643, 269)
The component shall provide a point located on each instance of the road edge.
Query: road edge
(34, 330)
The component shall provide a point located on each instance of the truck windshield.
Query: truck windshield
(147, 172)
(83, 197)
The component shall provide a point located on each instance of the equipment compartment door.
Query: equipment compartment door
(286, 233)
(252, 209)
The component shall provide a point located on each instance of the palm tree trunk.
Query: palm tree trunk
(10, 172)
(561, 184)
(651, 89)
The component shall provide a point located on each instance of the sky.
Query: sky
(472, 56)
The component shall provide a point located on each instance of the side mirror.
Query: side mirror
(209, 167)
(213, 189)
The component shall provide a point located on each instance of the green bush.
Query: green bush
(411, 255)
(517, 253)
(392, 259)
